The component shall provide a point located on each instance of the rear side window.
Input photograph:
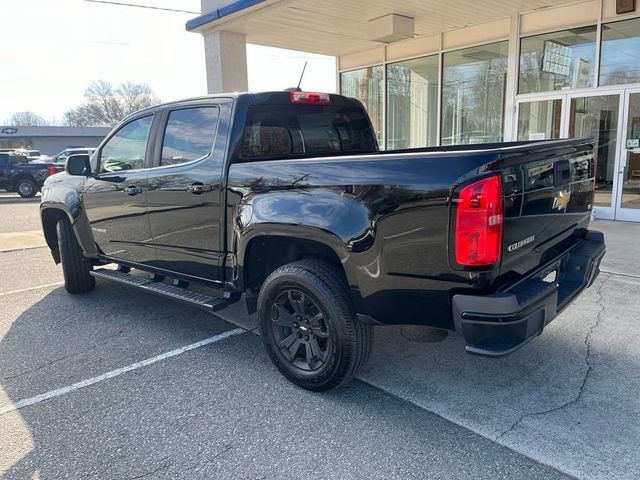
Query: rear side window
(276, 131)
(18, 159)
(189, 134)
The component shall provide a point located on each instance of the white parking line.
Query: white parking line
(3, 294)
(117, 372)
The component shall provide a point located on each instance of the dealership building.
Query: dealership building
(435, 72)
(51, 140)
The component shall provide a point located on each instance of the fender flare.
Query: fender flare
(242, 240)
(80, 225)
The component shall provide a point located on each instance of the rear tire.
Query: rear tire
(26, 188)
(75, 266)
(309, 327)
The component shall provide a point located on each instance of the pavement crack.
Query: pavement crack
(223, 451)
(104, 341)
(154, 471)
(588, 370)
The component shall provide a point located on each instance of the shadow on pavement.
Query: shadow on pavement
(220, 410)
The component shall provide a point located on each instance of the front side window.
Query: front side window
(620, 53)
(412, 112)
(126, 149)
(558, 60)
(61, 157)
(367, 85)
(189, 134)
(473, 94)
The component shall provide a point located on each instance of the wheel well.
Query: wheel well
(23, 176)
(266, 253)
(50, 218)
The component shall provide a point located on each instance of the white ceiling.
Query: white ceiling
(338, 27)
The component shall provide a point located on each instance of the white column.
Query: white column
(226, 61)
(510, 133)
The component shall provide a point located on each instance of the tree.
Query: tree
(26, 119)
(106, 105)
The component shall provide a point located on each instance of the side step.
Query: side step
(201, 300)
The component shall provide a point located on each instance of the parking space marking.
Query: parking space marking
(28, 289)
(117, 372)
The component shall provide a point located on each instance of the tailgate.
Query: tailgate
(548, 197)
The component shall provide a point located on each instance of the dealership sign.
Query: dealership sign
(9, 130)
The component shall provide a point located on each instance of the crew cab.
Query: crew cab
(285, 197)
(18, 175)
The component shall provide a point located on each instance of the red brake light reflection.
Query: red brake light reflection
(310, 98)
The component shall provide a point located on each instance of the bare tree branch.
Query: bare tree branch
(106, 105)
(26, 119)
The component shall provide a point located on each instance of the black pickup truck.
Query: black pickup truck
(284, 197)
(17, 175)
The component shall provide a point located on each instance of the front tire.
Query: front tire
(26, 188)
(75, 267)
(309, 327)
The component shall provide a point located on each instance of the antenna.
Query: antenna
(302, 75)
(297, 89)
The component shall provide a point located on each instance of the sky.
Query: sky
(52, 49)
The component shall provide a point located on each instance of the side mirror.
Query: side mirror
(78, 165)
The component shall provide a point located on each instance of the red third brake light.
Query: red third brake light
(310, 98)
(478, 230)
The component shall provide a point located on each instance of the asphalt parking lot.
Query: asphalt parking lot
(101, 385)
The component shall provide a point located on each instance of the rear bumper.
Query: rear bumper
(498, 324)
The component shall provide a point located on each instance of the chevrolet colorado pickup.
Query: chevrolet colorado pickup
(17, 175)
(284, 197)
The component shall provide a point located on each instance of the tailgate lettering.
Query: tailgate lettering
(521, 243)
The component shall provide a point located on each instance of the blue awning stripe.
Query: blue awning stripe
(220, 13)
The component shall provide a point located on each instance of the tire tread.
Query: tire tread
(75, 267)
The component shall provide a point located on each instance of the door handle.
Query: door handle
(198, 188)
(132, 190)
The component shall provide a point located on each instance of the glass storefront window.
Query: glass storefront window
(539, 120)
(367, 85)
(412, 108)
(558, 60)
(473, 94)
(620, 53)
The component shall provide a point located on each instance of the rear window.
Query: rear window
(278, 131)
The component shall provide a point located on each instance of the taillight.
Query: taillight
(310, 98)
(52, 169)
(478, 229)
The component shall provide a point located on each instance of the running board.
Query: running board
(153, 285)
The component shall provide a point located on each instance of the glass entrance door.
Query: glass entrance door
(612, 119)
(597, 117)
(628, 206)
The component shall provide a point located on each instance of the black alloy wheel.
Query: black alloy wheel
(309, 326)
(300, 330)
